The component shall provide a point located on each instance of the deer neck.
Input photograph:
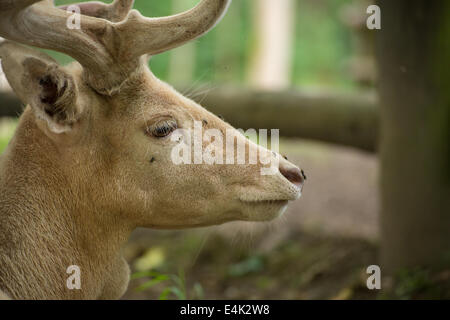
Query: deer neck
(50, 224)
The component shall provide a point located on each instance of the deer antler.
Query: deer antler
(115, 12)
(112, 38)
(157, 35)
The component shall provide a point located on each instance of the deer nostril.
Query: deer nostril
(294, 175)
(303, 174)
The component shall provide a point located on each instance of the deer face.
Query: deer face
(159, 192)
(120, 136)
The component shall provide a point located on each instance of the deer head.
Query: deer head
(112, 116)
(92, 157)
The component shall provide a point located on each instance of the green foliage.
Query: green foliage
(3, 144)
(321, 44)
(303, 266)
(7, 128)
(174, 285)
(419, 283)
(412, 282)
(252, 264)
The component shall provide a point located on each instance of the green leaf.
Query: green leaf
(152, 283)
(165, 294)
(143, 274)
(178, 293)
(198, 290)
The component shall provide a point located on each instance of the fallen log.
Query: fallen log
(10, 106)
(346, 119)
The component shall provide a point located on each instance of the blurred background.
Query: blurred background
(307, 67)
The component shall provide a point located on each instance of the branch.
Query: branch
(10, 105)
(350, 119)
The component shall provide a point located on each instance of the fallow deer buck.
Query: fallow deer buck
(90, 160)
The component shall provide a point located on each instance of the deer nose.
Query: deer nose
(293, 174)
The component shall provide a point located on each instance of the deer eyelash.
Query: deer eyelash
(162, 128)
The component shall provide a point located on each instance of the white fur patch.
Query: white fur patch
(52, 126)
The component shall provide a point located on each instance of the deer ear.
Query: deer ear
(39, 81)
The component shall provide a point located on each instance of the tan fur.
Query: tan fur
(73, 196)
(3, 296)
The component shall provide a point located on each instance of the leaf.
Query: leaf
(165, 294)
(250, 265)
(344, 294)
(198, 290)
(152, 283)
(178, 293)
(152, 258)
(143, 274)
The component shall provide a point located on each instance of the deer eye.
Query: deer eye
(162, 128)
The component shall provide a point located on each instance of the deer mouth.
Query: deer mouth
(256, 202)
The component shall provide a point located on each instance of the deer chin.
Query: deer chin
(263, 210)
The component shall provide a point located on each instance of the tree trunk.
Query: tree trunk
(274, 28)
(350, 120)
(182, 59)
(413, 55)
(228, 64)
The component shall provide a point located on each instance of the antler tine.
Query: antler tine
(121, 8)
(42, 25)
(114, 12)
(156, 35)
